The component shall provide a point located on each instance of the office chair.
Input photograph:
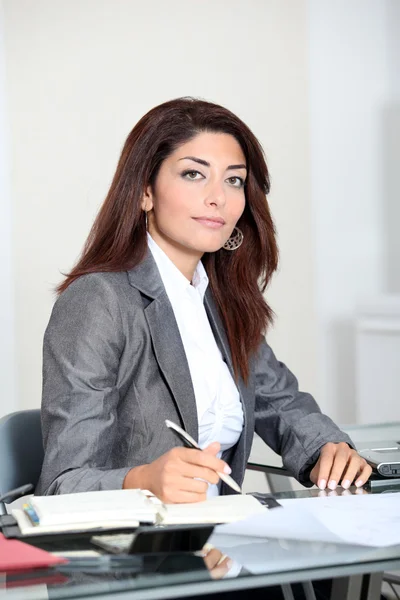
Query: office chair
(21, 450)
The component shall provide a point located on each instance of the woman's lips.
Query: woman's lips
(212, 223)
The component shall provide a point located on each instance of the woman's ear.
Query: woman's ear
(147, 199)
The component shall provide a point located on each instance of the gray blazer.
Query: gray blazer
(114, 368)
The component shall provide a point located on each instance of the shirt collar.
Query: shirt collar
(174, 281)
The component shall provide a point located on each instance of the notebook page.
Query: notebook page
(219, 509)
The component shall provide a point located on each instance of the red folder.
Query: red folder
(18, 556)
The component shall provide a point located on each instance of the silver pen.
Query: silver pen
(191, 443)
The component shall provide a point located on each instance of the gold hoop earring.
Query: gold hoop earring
(235, 240)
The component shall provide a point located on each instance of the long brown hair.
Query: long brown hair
(117, 240)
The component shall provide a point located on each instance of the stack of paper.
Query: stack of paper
(369, 520)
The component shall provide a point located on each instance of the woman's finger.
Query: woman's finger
(354, 467)
(322, 469)
(213, 558)
(188, 484)
(221, 570)
(193, 471)
(342, 456)
(204, 459)
(213, 448)
(364, 475)
(221, 566)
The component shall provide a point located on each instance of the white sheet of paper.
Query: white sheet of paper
(368, 520)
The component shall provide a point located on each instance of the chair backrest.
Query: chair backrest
(21, 449)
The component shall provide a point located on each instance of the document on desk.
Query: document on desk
(367, 520)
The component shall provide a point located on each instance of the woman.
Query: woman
(163, 318)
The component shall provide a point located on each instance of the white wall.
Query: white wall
(8, 399)
(354, 85)
(390, 127)
(319, 83)
(81, 73)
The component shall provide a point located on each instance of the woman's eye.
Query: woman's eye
(192, 175)
(236, 181)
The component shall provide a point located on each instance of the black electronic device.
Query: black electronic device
(157, 539)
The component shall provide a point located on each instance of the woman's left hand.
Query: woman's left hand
(339, 464)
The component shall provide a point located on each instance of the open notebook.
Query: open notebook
(121, 509)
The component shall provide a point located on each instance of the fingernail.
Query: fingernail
(227, 470)
(332, 484)
(346, 484)
(359, 483)
(322, 484)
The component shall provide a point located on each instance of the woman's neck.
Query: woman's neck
(185, 259)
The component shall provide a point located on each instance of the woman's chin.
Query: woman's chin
(203, 244)
(210, 243)
(209, 248)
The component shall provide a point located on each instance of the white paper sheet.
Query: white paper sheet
(367, 520)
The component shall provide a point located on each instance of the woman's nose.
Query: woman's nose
(215, 195)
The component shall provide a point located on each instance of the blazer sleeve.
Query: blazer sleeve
(82, 347)
(288, 420)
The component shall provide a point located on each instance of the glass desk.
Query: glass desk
(356, 571)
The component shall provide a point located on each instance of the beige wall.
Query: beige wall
(79, 75)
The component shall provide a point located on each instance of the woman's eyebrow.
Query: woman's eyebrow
(241, 166)
(207, 164)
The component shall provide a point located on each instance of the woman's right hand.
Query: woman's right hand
(180, 475)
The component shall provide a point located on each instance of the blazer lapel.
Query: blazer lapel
(167, 343)
(220, 336)
(246, 394)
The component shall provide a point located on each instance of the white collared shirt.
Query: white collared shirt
(219, 409)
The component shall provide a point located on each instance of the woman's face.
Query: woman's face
(198, 195)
